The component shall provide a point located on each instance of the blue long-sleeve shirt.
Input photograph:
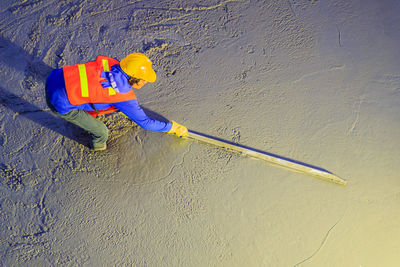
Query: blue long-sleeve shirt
(131, 108)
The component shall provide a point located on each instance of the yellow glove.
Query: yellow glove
(178, 129)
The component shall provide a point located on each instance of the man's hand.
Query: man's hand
(178, 129)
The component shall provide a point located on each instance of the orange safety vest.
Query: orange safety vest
(82, 82)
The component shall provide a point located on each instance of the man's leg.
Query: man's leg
(97, 129)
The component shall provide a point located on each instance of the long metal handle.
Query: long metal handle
(271, 158)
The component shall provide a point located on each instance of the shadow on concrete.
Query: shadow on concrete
(17, 58)
(44, 118)
(154, 115)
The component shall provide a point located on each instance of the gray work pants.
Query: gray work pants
(97, 130)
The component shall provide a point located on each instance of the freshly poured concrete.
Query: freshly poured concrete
(316, 81)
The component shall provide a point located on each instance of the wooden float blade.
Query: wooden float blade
(271, 158)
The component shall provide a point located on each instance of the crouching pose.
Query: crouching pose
(79, 93)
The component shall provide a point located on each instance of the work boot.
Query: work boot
(99, 148)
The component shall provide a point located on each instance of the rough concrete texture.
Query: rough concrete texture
(316, 81)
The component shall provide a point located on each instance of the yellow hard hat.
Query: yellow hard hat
(139, 66)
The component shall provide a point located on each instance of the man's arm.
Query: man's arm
(134, 112)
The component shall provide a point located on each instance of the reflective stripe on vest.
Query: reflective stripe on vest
(84, 82)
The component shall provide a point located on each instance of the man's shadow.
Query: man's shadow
(42, 117)
(15, 57)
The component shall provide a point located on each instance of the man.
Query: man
(79, 93)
